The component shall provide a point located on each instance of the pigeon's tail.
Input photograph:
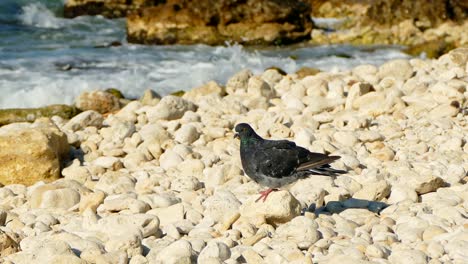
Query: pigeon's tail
(326, 170)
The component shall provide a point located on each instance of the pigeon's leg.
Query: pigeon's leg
(264, 194)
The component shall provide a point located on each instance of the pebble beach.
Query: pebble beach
(160, 180)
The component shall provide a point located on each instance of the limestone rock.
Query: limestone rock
(238, 82)
(403, 255)
(279, 207)
(398, 69)
(169, 108)
(99, 101)
(221, 206)
(84, 119)
(299, 230)
(31, 153)
(108, 9)
(8, 246)
(52, 196)
(425, 183)
(209, 88)
(17, 115)
(373, 191)
(214, 250)
(402, 192)
(179, 252)
(213, 23)
(125, 225)
(187, 134)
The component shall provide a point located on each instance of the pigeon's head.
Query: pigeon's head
(244, 130)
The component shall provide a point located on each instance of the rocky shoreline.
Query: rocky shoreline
(160, 180)
(433, 28)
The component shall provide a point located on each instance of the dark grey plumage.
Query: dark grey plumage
(275, 163)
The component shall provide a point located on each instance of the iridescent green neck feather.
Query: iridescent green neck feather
(247, 140)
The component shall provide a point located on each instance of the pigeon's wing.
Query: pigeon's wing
(282, 158)
(278, 158)
(277, 144)
(315, 160)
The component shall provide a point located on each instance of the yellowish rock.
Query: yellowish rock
(31, 152)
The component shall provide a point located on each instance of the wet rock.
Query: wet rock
(269, 22)
(8, 116)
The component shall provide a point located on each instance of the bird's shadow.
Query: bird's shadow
(336, 207)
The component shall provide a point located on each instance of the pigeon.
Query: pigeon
(277, 163)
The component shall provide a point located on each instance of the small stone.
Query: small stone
(348, 139)
(375, 251)
(120, 204)
(369, 136)
(401, 193)
(257, 87)
(401, 256)
(187, 134)
(424, 183)
(432, 231)
(444, 111)
(398, 69)
(169, 215)
(238, 82)
(221, 206)
(279, 207)
(196, 93)
(169, 108)
(99, 101)
(187, 183)
(435, 249)
(83, 120)
(169, 159)
(355, 91)
(113, 182)
(299, 230)
(179, 252)
(49, 196)
(112, 163)
(214, 250)
(91, 201)
(252, 257)
(373, 191)
(8, 245)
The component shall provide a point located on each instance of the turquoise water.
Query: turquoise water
(46, 59)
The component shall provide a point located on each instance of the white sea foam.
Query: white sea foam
(132, 69)
(54, 66)
(36, 14)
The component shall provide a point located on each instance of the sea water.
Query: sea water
(47, 59)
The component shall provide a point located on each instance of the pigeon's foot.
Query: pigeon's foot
(264, 194)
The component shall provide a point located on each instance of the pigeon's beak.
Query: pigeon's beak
(236, 135)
